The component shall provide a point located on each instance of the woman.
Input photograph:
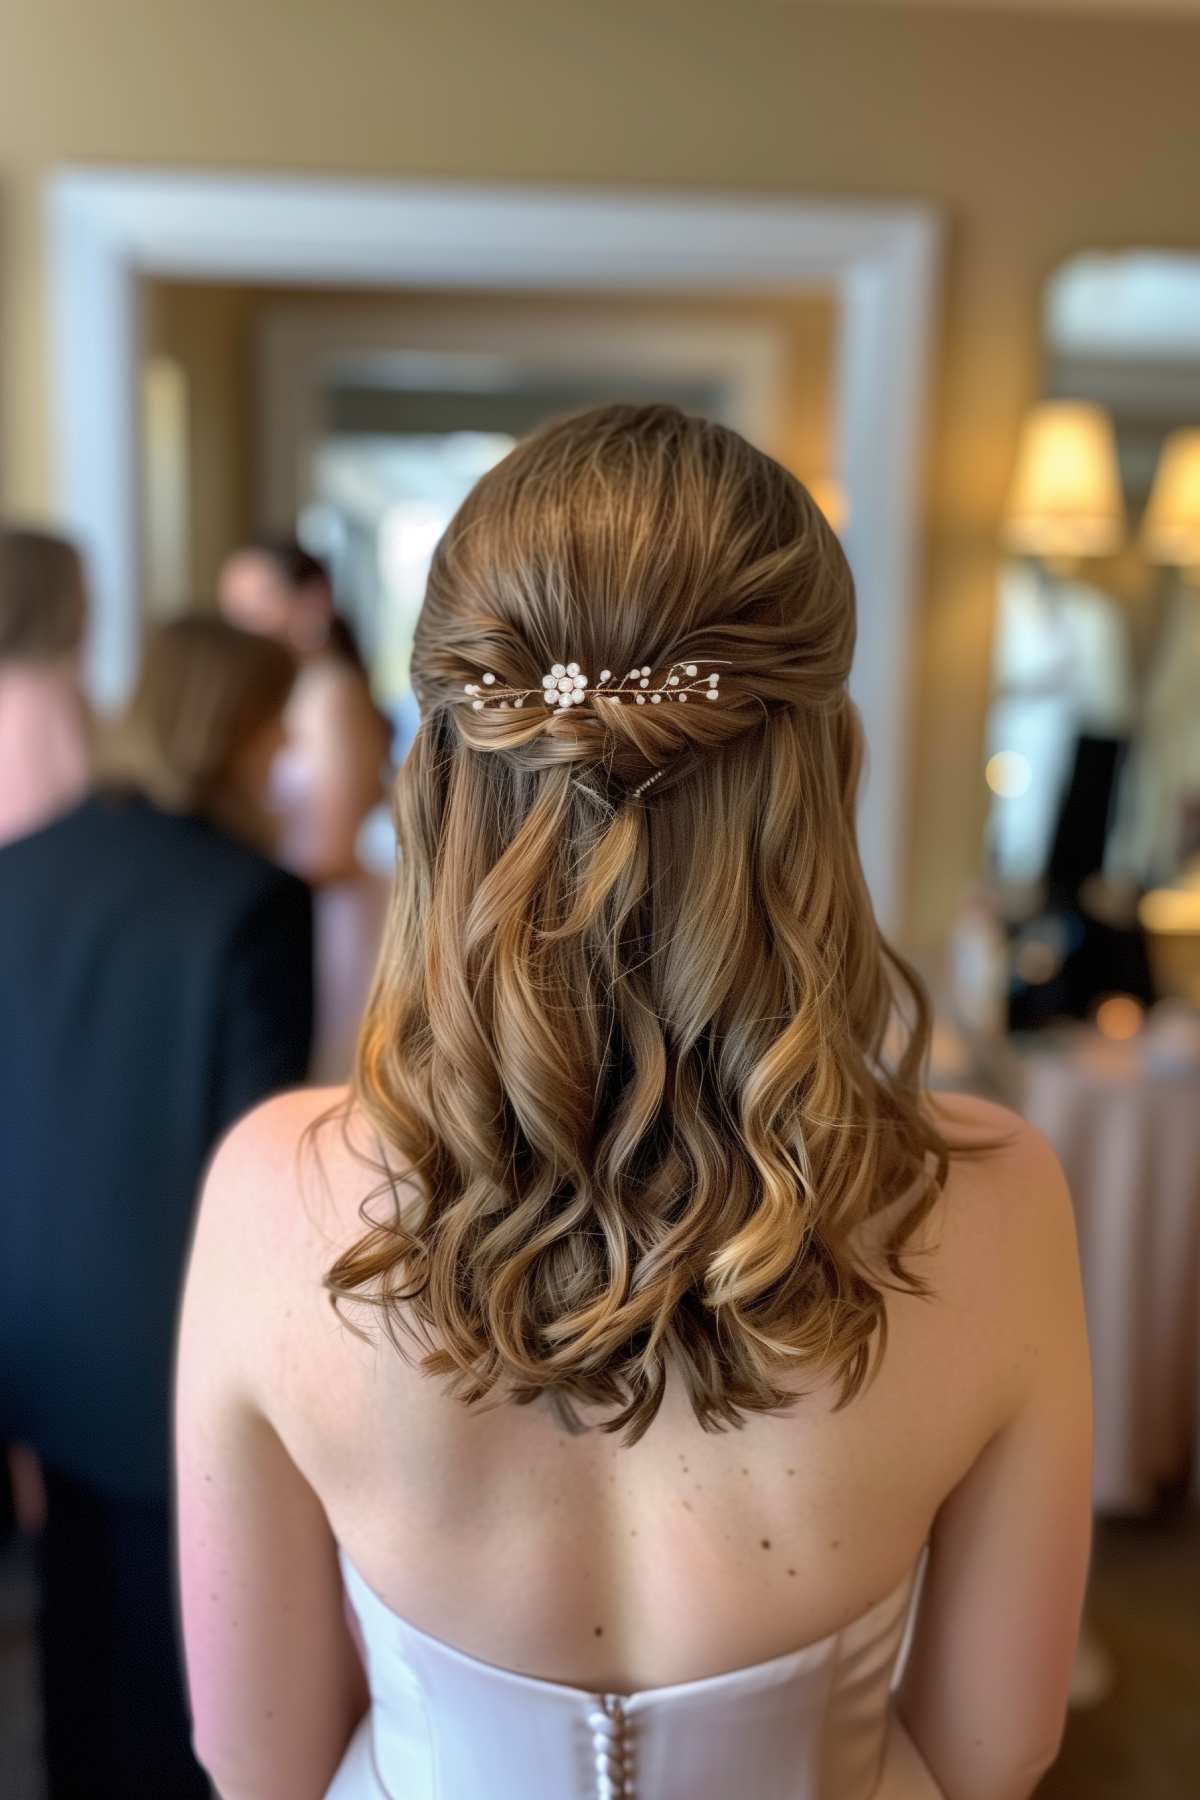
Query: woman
(327, 778)
(332, 773)
(200, 734)
(156, 973)
(672, 1318)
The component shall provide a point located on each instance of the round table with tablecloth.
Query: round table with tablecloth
(1124, 1118)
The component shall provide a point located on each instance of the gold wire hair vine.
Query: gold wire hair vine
(567, 685)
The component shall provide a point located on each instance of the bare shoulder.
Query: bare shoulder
(1007, 1217)
(1005, 1152)
(267, 1140)
(281, 1204)
(287, 1179)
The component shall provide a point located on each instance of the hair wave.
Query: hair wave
(626, 1054)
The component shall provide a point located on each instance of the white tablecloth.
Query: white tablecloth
(1125, 1121)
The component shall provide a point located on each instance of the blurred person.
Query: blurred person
(200, 734)
(328, 777)
(331, 775)
(156, 972)
(44, 724)
(682, 1327)
(44, 770)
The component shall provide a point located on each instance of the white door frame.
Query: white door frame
(109, 226)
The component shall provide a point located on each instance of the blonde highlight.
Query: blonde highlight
(633, 1047)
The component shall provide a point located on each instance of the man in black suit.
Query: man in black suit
(156, 981)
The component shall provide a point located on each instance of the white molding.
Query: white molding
(95, 403)
(107, 226)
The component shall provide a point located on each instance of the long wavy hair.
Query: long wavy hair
(625, 1051)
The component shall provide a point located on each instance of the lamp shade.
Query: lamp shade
(1065, 498)
(1171, 527)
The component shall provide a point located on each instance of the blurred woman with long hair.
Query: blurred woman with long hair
(628, 1339)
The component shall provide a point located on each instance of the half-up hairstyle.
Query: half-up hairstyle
(626, 1052)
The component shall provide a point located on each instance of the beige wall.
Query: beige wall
(1037, 135)
(207, 331)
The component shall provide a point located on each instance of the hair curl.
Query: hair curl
(631, 1050)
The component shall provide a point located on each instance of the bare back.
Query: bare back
(689, 1553)
(573, 1558)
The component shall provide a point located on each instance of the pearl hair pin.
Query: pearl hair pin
(566, 685)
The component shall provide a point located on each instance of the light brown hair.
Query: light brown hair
(630, 1047)
(42, 600)
(205, 690)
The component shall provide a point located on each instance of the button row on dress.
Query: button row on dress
(610, 1744)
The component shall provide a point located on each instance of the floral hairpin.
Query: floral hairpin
(567, 685)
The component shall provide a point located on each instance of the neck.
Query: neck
(44, 748)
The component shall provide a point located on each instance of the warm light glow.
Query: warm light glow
(1171, 527)
(1170, 910)
(1065, 498)
(1119, 1017)
(1008, 774)
(830, 496)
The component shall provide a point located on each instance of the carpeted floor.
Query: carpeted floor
(1141, 1743)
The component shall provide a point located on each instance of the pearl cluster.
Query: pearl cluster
(566, 685)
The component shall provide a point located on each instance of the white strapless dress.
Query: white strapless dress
(815, 1724)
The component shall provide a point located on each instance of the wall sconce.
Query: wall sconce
(1065, 500)
(1171, 526)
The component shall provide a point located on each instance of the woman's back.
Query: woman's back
(681, 1313)
(626, 1567)
(568, 1557)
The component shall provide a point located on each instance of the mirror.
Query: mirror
(1093, 741)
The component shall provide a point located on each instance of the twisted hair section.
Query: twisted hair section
(642, 1066)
